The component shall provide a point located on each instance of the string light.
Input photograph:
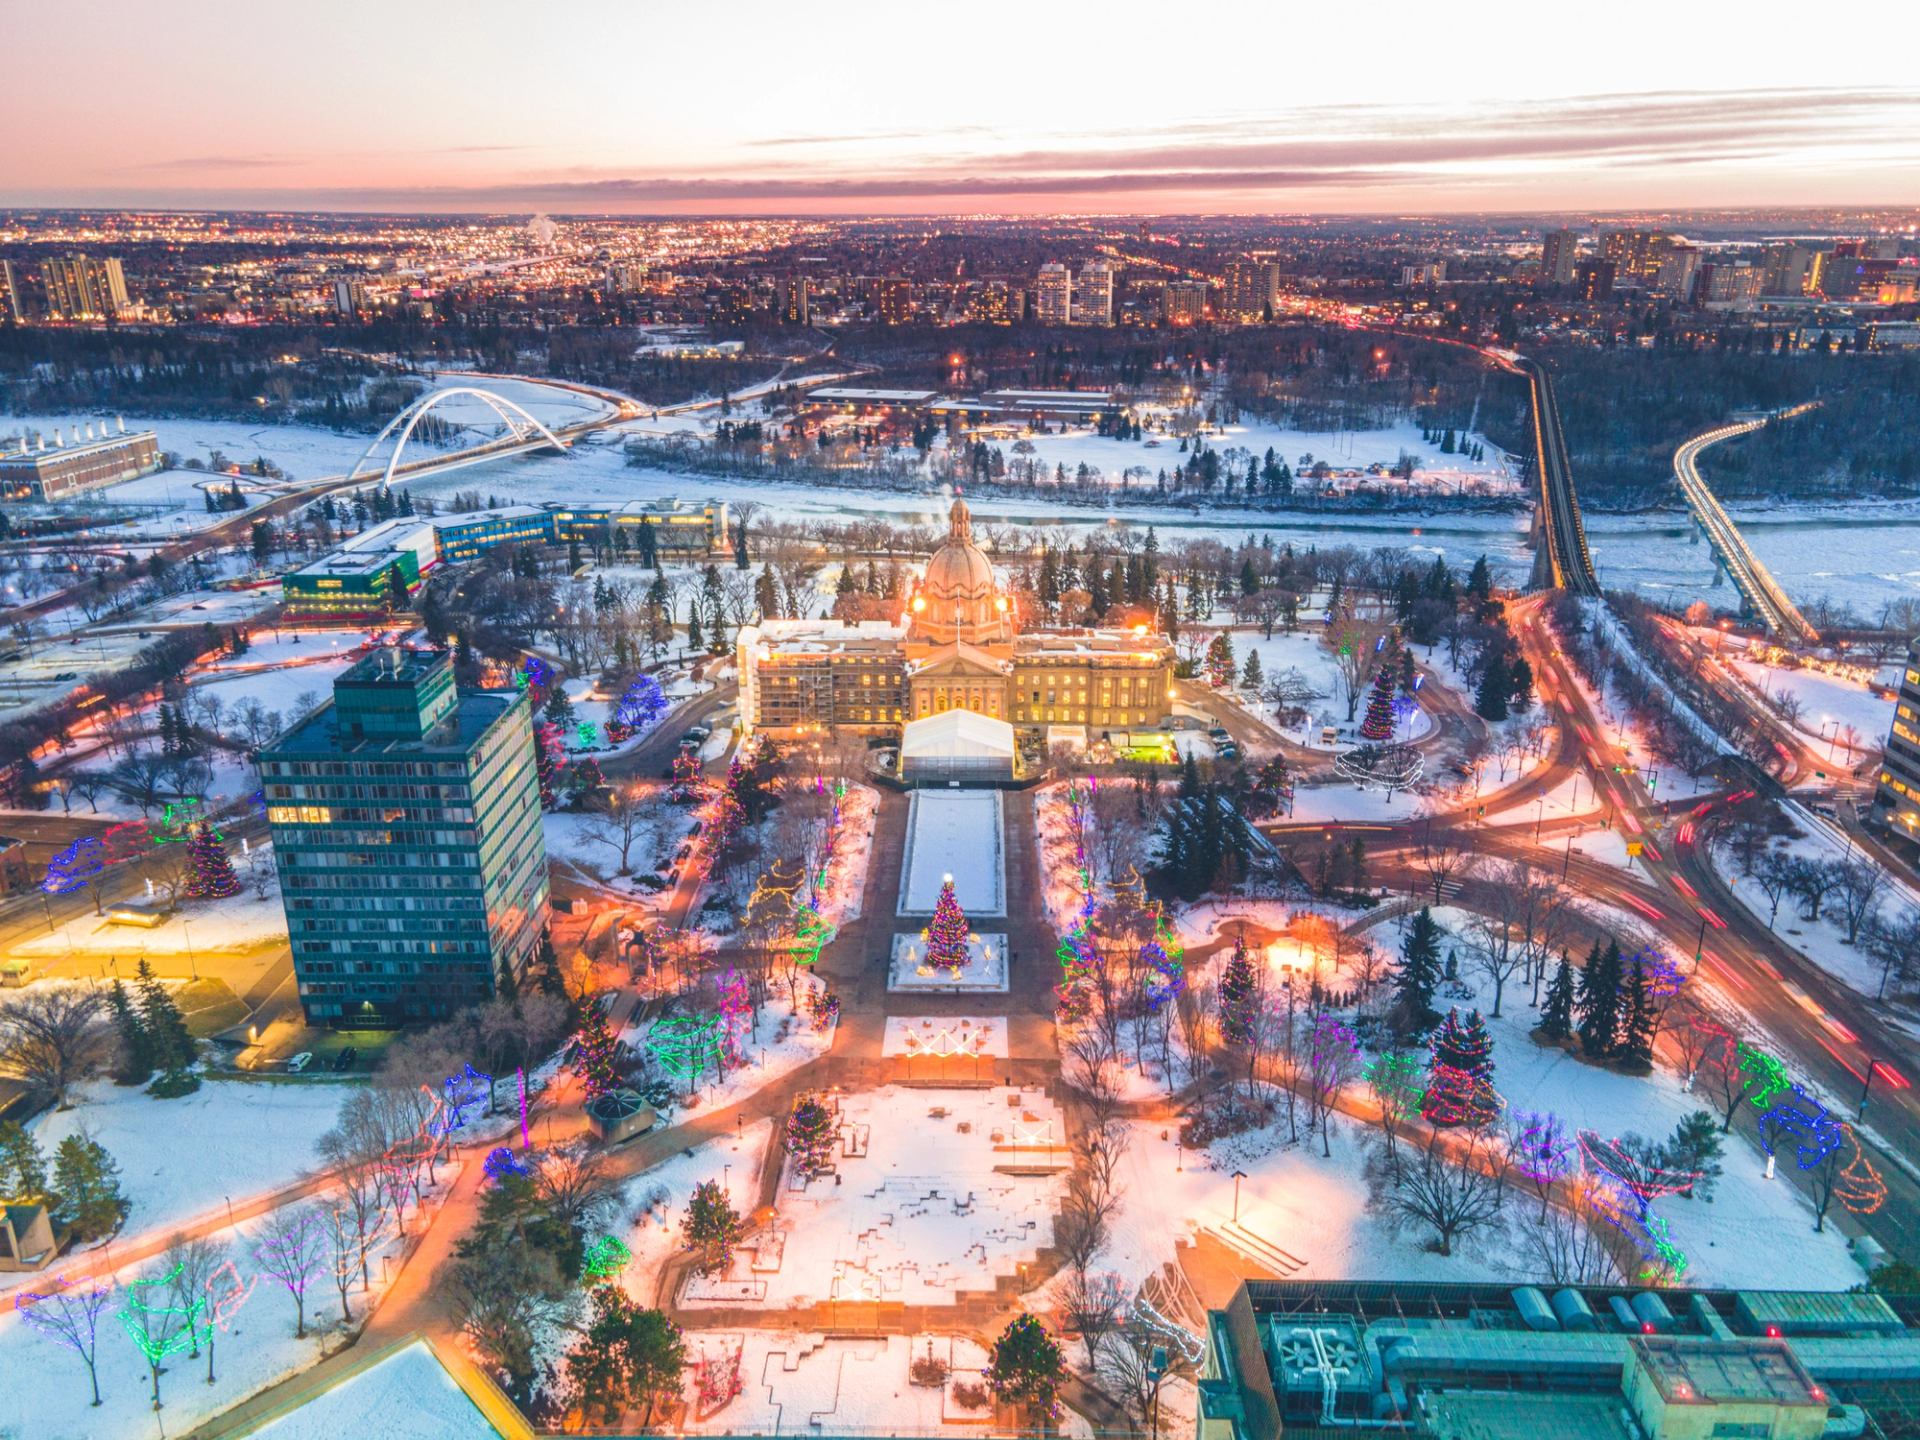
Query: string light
(1806, 1121)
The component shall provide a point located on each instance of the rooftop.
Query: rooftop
(1691, 1371)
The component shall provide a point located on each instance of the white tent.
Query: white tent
(957, 743)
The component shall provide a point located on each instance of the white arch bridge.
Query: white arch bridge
(522, 435)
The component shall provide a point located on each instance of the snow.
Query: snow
(796, 1383)
(957, 833)
(1824, 699)
(926, 1215)
(984, 972)
(182, 1160)
(945, 1035)
(781, 1041)
(244, 921)
(407, 1392)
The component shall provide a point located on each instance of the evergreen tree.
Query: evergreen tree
(88, 1184)
(1378, 724)
(1460, 1074)
(1418, 973)
(1598, 1000)
(559, 709)
(947, 932)
(23, 1169)
(1556, 1016)
(695, 641)
(596, 1054)
(1240, 1005)
(629, 1356)
(544, 971)
(133, 1063)
(1496, 684)
(810, 1136)
(711, 1228)
(1637, 1018)
(1251, 678)
(211, 876)
(1027, 1367)
(1520, 682)
(166, 1027)
(1696, 1146)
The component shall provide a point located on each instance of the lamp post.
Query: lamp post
(1238, 1176)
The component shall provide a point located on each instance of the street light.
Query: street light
(1238, 1176)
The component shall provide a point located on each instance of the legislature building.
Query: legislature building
(958, 647)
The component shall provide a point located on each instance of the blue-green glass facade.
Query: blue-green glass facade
(406, 828)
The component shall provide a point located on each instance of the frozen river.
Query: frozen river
(1861, 557)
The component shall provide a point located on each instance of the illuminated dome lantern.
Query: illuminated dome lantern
(958, 597)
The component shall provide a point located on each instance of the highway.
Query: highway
(1762, 592)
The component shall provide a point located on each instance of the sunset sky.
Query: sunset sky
(640, 107)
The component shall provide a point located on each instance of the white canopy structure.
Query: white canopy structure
(957, 745)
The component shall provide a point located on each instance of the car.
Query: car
(196, 607)
(1219, 732)
(695, 830)
(344, 1060)
(1227, 750)
(683, 852)
(299, 1062)
(653, 883)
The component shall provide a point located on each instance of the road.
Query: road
(1568, 565)
(1762, 592)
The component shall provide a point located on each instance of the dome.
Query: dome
(958, 598)
(959, 569)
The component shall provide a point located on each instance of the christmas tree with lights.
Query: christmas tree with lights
(547, 762)
(594, 1055)
(1378, 724)
(1460, 1074)
(210, 874)
(810, 1132)
(947, 933)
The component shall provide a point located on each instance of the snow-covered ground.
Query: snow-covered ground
(245, 921)
(919, 1211)
(793, 1383)
(182, 1160)
(407, 1393)
(1841, 717)
(958, 834)
(782, 1039)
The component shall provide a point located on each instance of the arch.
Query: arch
(522, 426)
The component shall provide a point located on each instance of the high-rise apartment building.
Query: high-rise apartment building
(10, 309)
(1253, 289)
(1093, 294)
(794, 299)
(1053, 295)
(1678, 268)
(83, 287)
(1727, 283)
(1636, 254)
(895, 300)
(406, 828)
(1558, 251)
(1789, 268)
(1896, 802)
(1185, 302)
(350, 298)
(1593, 279)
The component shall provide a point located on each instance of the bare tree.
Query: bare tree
(573, 1183)
(1093, 1304)
(292, 1247)
(69, 1312)
(1452, 1198)
(1445, 857)
(1566, 1246)
(624, 821)
(53, 1037)
(1895, 943)
(1860, 888)
(193, 1262)
(352, 1152)
(1775, 874)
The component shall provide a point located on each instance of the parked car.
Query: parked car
(343, 1062)
(299, 1062)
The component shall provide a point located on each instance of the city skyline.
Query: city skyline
(889, 114)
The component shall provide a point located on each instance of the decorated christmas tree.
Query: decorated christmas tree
(947, 932)
(1239, 997)
(594, 1055)
(810, 1135)
(210, 875)
(687, 781)
(1460, 1074)
(641, 705)
(1027, 1367)
(736, 1015)
(1378, 724)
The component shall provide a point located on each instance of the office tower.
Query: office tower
(1558, 250)
(80, 287)
(794, 298)
(1053, 295)
(406, 828)
(1093, 294)
(1185, 302)
(10, 310)
(1253, 289)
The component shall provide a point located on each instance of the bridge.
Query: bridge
(1561, 559)
(523, 436)
(1762, 593)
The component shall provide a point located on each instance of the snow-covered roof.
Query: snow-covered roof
(955, 734)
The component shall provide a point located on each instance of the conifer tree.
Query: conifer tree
(134, 1063)
(947, 932)
(596, 1054)
(1418, 973)
(166, 1027)
(1599, 1001)
(1556, 1015)
(1496, 684)
(1460, 1074)
(88, 1184)
(211, 876)
(810, 1136)
(1635, 1040)
(1378, 723)
(1240, 1005)
(23, 1169)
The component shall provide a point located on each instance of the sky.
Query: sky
(849, 107)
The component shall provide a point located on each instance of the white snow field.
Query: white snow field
(793, 1383)
(936, 1193)
(408, 1392)
(945, 1035)
(957, 833)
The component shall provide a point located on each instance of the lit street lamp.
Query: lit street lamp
(1238, 1176)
